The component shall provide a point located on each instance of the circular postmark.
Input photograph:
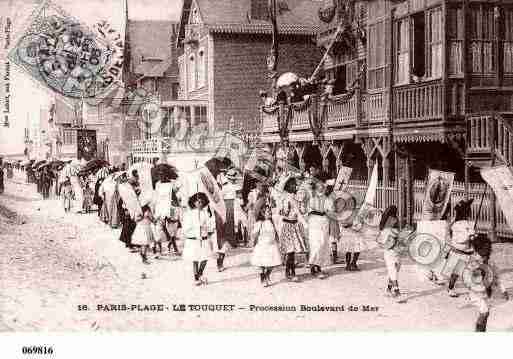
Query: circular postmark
(71, 59)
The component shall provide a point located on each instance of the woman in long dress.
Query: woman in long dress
(318, 230)
(253, 196)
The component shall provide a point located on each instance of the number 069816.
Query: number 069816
(37, 350)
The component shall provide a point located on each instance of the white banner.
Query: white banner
(500, 179)
(342, 178)
(438, 193)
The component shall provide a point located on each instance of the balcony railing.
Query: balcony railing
(418, 102)
(342, 112)
(170, 145)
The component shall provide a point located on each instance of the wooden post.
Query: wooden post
(386, 170)
(493, 198)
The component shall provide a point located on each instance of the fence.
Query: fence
(388, 195)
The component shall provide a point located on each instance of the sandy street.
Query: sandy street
(54, 265)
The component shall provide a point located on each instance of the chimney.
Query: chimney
(259, 10)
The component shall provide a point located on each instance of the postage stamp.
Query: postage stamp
(68, 57)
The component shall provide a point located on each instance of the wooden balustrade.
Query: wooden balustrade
(375, 108)
(480, 133)
(299, 120)
(269, 122)
(418, 101)
(504, 144)
(341, 113)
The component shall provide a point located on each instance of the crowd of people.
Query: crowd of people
(284, 220)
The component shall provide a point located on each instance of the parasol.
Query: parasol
(38, 163)
(164, 170)
(216, 165)
(102, 173)
(286, 79)
(57, 165)
(94, 165)
(70, 170)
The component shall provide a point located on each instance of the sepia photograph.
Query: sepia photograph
(256, 166)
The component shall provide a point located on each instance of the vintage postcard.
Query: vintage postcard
(255, 165)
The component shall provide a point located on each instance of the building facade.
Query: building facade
(222, 50)
(415, 84)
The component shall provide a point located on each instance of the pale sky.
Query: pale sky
(92, 11)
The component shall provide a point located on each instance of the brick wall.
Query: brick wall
(240, 72)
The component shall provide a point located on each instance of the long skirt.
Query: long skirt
(196, 250)
(104, 212)
(127, 230)
(229, 226)
(292, 238)
(114, 210)
(318, 238)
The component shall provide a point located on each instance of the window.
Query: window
(338, 76)
(174, 91)
(376, 56)
(455, 33)
(68, 137)
(419, 45)
(183, 74)
(402, 74)
(508, 41)
(200, 115)
(192, 73)
(434, 44)
(201, 68)
(482, 33)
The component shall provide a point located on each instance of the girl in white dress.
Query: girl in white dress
(198, 225)
(143, 234)
(266, 253)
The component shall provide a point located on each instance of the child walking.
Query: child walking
(143, 234)
(389, 235)
(67, 194)
(88, 197)
(484, 279)
(266, 253)
(198, 225)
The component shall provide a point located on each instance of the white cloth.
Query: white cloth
(239, 215)
(461, 232)
(266, 252)
(197, 227)
(228, 190)
(392, 262)
(163, 194)
(78, 191)
(318, 239)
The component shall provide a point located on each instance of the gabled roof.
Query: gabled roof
(234, 16)
(151, 49)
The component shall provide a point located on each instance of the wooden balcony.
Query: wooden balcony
(156, 146)
(490, 135)
(418, 102)
(342, 113)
